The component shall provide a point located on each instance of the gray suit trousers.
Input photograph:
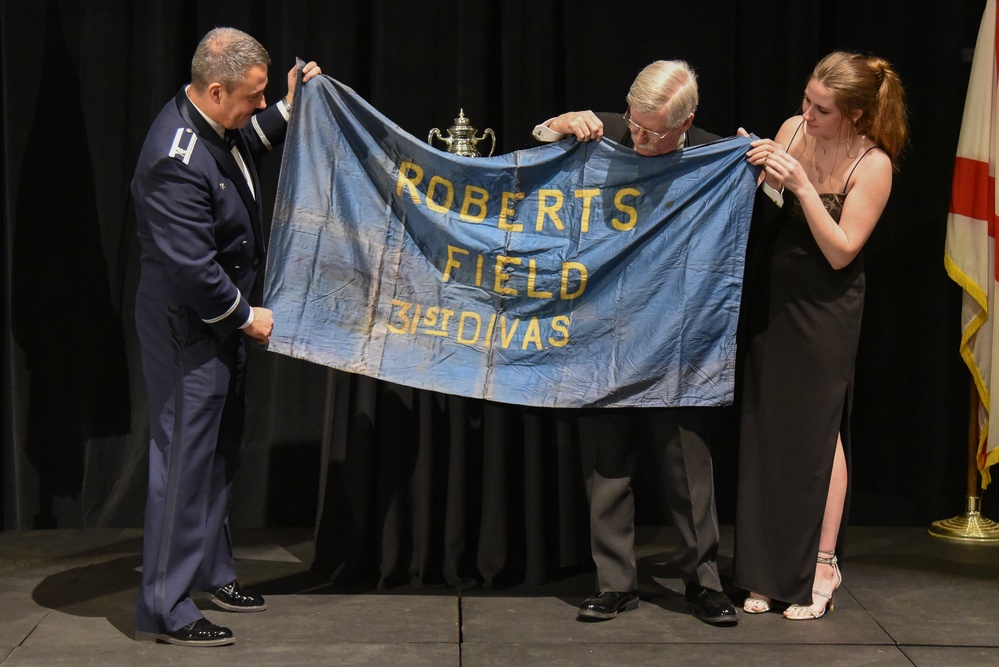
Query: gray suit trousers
(610, 440)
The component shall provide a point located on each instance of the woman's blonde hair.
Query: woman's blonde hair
(868, 83)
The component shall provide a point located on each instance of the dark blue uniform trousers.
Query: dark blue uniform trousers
(194, 386)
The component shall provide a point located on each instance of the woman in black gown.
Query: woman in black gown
(827, 175)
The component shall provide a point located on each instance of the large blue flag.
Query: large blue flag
(570, 275)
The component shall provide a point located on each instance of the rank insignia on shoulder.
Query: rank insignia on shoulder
(183, 154)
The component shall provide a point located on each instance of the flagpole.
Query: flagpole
(971, 527)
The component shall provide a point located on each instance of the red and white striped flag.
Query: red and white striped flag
(970, 255)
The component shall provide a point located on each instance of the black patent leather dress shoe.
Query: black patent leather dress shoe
(200, 633)
(233, 598)
(604, 606)
(711, 606)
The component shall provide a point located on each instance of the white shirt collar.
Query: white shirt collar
(215, 126)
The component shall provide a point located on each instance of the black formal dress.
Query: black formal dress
(802, 322)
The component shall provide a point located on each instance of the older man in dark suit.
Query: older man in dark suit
(659, 120)
(200, 231)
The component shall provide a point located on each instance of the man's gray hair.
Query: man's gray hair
(665, 83)
(223, 56)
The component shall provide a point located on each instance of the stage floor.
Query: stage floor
(67, 598)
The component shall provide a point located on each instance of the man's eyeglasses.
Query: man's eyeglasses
(659, 136)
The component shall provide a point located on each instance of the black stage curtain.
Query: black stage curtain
(417, 486)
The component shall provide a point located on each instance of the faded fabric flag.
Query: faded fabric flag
(567, 275)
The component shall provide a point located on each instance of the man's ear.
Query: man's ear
(687, 123)
(215, 92)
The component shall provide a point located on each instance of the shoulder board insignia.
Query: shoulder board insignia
(183, 154)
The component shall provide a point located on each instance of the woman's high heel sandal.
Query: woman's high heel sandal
(813, 614)
(756, 604)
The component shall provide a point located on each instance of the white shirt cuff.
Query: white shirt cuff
(544, 133)
(777, 196)
(248, 321)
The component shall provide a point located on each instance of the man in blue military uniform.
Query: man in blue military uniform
(200, 231)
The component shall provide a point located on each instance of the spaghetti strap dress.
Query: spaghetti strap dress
(802, 328)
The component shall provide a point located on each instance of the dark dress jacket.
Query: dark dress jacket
(200, 229)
